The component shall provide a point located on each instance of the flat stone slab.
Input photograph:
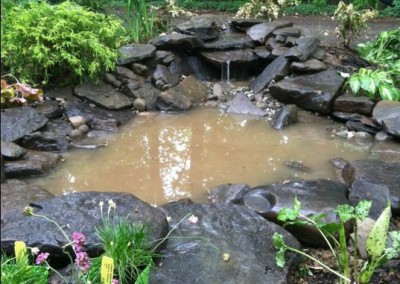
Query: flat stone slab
(203, 27)
(315, 92)
(81, 211)
(103, 95)
(239, 57)
(132, 53)
(241, 104)
(12, 151)
(276, 70)
(310, 66)
(19, 121)
(32, 163)
(177, 41)
(289, 31)
(195, 250)
(260, 32)
(304, 48)
(230, 41)
(353, 104)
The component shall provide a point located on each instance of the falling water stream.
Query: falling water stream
(165, 157)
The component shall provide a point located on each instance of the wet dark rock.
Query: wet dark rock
(50, 109)
(109, 125)
(132, 53)
(304, 48)
(262, 52)
(315, 92)
(3, 172)
(173, 99)
(353, 104)
(131, 88)
(111, 79)
(345, 116)
(33, 163)
(17, 194)
(202, 27)
(260, 32)
(280, 39)
(195, 91)
(61, 93)
(289, 31)
(241, 104)
(271, 44)
(245, 58)
(53, 137)
(228, 193)
(387, 113)
(388, 151)
(354, 125)
(148, 92)
(297, 166)
(11, 151)
(276, 70)
(140, 69)
(126, 75)
(230, 41)
(316, 197)
(370, 179)
(176, 41)
(285, 116)
(234, 230)
(290, 41)
(17, 122)
(319, 53)
(103, 95)
(163, 74)
(279, 50)
(81, 211)
(186, 65)
(310, 66)
(339, 163)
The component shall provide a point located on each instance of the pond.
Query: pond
(165, 157)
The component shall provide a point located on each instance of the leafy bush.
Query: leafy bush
(65, 42)
(351, 21)
(391, 11)
(263, 9)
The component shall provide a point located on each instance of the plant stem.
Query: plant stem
(56, 272)
(320, 263)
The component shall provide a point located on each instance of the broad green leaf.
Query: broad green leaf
(290, 214)
(376, 241)
(354, 84)
(345, 212)
(394, 250)
(281, 247)
(385, 92)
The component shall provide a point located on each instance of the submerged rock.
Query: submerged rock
(285, 116)
(220, 244)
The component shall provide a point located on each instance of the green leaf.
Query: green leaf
(376, 241)
(362, 209)
(143, 277)
(354, 84)
(290, 214)
(394, 250)
(345, 212)
(280, 245)
(368, 85)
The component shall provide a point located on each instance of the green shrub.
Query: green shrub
(263, 9)
(65, 43)
(351, 21)
(391, 11)
(309, 9)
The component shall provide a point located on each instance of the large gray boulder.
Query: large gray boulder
(173, 99)
(260, 32)
(374, 180)
(304, 48)
(195, 249)
(202, 27)
(319, 196)
(176, 41)
(81, 212)
(315, 92)
(19, 121)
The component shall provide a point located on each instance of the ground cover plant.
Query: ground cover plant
(335, 237)
(58, 44)
(383, 80)
(18, 94)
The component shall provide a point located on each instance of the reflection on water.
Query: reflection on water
(165, 157)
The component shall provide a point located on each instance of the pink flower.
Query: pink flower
(83, 261)
(114, 281)
(78, 240)
(42, 257)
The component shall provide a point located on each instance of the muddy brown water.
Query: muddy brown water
(165, 157)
